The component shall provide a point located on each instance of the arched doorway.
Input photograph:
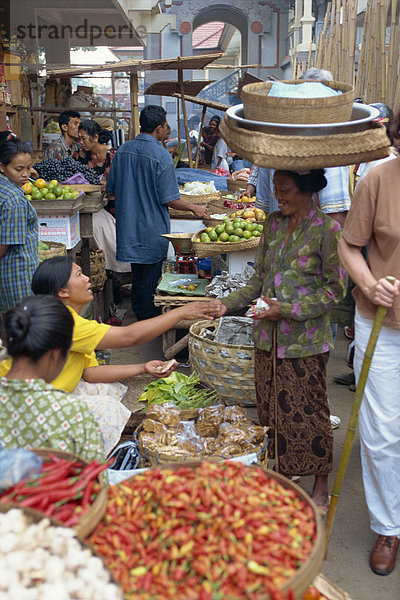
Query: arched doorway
(228, 15)
(217, 36)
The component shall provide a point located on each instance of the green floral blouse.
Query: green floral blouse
(35, 414)
(304, 275)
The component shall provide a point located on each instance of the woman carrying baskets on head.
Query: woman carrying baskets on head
(38, 335)
(297, 273)
(82, 374)
(19, 226)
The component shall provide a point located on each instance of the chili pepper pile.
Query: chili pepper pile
(211, 532)
(64, 489)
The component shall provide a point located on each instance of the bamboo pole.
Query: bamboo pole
(182, 90)
(344, 42)
(361, 83)
(178, 119)
(203, 116)
(382, 67)
(393, 55)
(348, 443)
(114, 114)
(322, 40)
(134, 89)
(351, 74)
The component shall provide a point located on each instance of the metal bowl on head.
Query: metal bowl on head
(361, 119)
(182, 242)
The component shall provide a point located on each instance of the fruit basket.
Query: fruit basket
(50, 250)
(203, 247)
(234, 185)
(199, 199)
(266, 548)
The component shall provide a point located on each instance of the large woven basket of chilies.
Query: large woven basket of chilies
(69, 489)
(203, 531)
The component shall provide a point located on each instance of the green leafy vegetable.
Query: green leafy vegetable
(179, 389)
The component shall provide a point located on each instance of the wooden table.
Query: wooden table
(170, 346)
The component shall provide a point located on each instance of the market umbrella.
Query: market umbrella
(348, 443)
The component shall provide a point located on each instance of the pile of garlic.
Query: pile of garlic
(41, 562)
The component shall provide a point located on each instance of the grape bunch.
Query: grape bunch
(63, 169)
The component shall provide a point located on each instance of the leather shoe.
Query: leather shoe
(383, 555)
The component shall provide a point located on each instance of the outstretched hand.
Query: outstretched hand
(200, 310)
(153, 367)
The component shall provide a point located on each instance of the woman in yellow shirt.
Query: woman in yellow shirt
(63, 278)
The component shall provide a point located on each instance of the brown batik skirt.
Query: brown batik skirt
(305, 440)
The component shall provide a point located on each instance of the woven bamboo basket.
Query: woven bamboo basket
(259, 106)
(200, 199)
(158, 457)
(89, 520)
(35, 516)
(97, 269)
(296, 585)
(55, 249)
(213, 222)
(204, 249)
(294, 152)
(234, 185)
(227, 368)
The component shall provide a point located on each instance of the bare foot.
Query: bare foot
(320, 491)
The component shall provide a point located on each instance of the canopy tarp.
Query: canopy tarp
(172, 88)
(134, 65)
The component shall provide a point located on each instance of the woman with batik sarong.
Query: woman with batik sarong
(297, 273)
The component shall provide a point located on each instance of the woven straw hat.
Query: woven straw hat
(306, 152)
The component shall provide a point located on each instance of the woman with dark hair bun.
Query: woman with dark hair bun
(38, 335)
(18, 222)
(96, 153)
(298, 275)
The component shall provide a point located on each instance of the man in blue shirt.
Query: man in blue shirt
(144, 184)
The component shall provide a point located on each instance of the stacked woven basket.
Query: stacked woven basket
(311, 148)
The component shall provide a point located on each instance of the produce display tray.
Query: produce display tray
(94, 202)
(59, 207)
(89, 188)
(170, 284)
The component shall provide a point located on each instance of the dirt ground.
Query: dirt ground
(351, 539)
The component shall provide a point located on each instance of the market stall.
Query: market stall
(152, 536)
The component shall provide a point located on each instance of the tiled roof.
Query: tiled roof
(208, 35)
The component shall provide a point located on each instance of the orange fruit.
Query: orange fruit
(27, 187)
(40, 183)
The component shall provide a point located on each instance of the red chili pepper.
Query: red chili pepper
(87, 493)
